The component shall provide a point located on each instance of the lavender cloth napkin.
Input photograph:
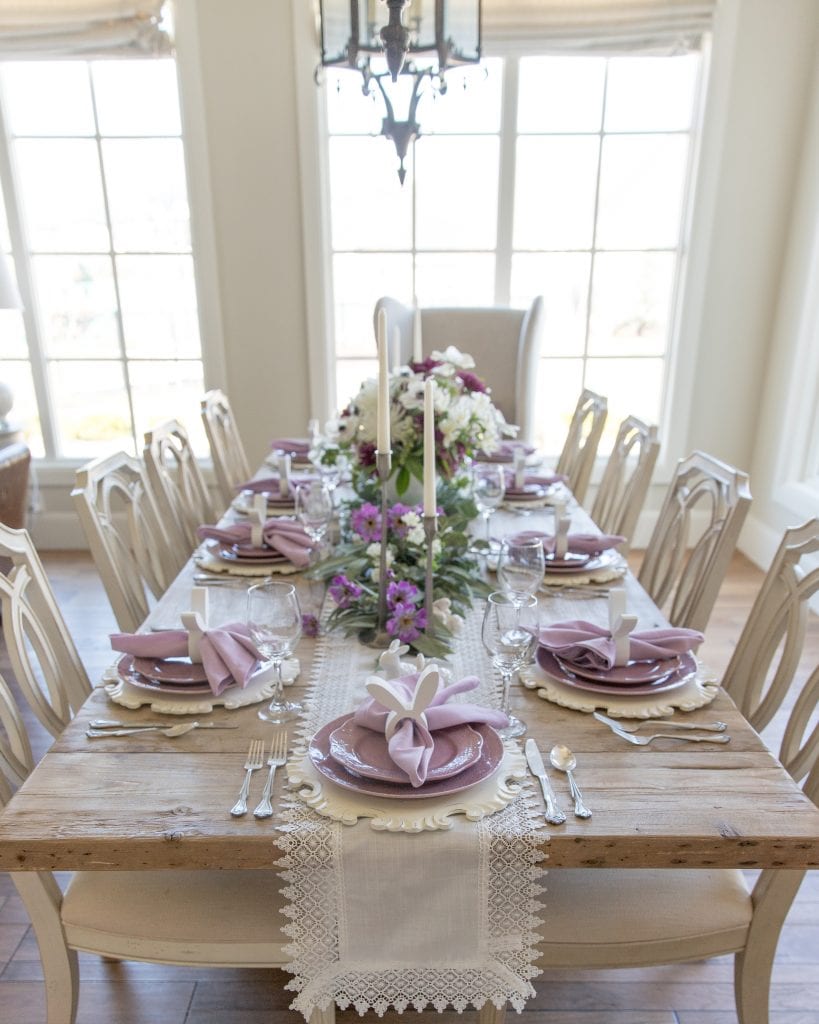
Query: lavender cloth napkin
(578, 543)
(505, 452)
(411, 745)
(592, 646)
(228, 653)
(273, 487)
(539, 480)
(283, 535)
(290, 445)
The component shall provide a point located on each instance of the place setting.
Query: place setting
(575, 560)
(257, 546)
(525, 490)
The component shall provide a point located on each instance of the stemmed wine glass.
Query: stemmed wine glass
(509, 634)
(521, 565)
(274, 621)
(314, 508)
(488, 489)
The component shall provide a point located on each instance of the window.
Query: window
(560, 176)
(98, 225)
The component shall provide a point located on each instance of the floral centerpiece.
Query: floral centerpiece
(466, 420)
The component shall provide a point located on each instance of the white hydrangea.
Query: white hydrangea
(416, 536)
(455, 357)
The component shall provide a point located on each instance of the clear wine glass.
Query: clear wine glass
(314, 508)
(274, 621)
(488, 489)
(509, 634)
(521, 565)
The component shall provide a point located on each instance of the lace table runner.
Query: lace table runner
(381, 920)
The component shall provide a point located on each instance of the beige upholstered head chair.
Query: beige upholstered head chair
(576, 461)
(178, 487)
(684, 574)
(624, 485)
(505, 344)
(226, 449)
(128, 543)
(639, 918)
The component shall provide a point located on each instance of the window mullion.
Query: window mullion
(506, 182)
(25, 284)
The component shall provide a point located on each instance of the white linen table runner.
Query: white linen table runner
(381, 919)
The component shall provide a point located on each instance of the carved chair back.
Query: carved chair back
(580, 447)
(176, 481)
(227, 451)
(624, 485)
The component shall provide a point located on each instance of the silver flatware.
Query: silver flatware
(564, 760)
(112, 723)
(665, 722)
(641, 741)
(204, 580)
(554, 815)
(254, 761)
(171, 731)
(556, 590)
(278, 756)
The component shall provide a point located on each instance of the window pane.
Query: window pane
(350, 373)
(78, 305)
(455, 279)
(91, 407)
(350, 112)
(12, 334)
(457, 192)
(369, 209)
(631, 299)
(651, 93)
(48, 98)
(561, 94)
(633, 388)
(641, 191)
(563, 281)
(554, 192)
(559, 384)
(358, 282)
(158, 299)
(61, 187)
(23, 414)
(147, 195)
(169, 390)
(472, 102)
(136, 97)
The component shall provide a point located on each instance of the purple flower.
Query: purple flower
(309, 625)
(366, 521)
(402, 592)
(366, 453)
(394, 519)
(343, 591)
(471, 381)
(426, 366)
(407, 622)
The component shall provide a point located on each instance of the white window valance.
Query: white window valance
(81, 28)
(583, 26)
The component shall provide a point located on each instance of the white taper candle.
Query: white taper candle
(417, 350)
(430, 497)
(383, 422)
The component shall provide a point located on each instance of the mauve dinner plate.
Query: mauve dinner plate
(127, 667)
(364, 752)
(250, 556)
(529, 492)
(594, 563)
(571, 560)
(678, 677)
(490, 757)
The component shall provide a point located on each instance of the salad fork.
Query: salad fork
(278, 756)
(255, 759)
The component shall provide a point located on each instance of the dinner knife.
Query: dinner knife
(109, 723)
(554, 815)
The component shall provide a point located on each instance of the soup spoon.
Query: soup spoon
(564, 760)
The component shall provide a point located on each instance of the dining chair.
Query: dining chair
(133, 552)
(39, 647)
(580, 447)
(624, 484)
(505, 344)
(641, 917)
(694, 538)
(176, 482)
(226, 449)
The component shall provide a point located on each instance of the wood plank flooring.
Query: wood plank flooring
(132, 993)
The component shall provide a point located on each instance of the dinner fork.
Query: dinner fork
(255, 759)
(278, 756)
(641, 741)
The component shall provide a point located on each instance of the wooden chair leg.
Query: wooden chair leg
(42, 898)
(490, 1014)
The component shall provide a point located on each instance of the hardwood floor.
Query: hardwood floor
(132, 993)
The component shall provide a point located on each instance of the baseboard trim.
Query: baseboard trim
(57, 531)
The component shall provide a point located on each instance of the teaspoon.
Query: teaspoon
(564, 760)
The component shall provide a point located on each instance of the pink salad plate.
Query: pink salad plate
(189, 678)
(246, 555)
(529, 492)
(678, 677)
(490, 757)
(594, 563)
(364, 752)
(273, 500)
(571, 560)
(635, 673)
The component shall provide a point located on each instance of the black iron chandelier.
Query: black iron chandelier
(443, 33)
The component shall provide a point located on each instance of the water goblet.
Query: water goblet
(521, 565)
(314, 508)
(488, 489)
(509, 634)
(274, 622)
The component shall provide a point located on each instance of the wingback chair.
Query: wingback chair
(505, 344)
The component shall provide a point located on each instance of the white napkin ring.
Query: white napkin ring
(196, 629)
(399, 707)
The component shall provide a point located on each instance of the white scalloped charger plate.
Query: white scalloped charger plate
(212, 563)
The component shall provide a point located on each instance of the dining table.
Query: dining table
(146, 802)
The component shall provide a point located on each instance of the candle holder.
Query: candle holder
(379, 636)
(430, 530)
